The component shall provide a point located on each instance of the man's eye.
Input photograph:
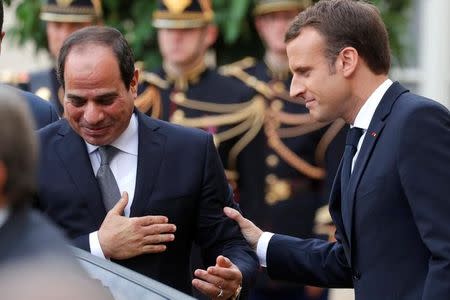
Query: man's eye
(77, 102)
(107, 101)
(305, 73)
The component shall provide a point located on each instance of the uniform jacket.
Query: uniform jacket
(41, 110)
(45, 84)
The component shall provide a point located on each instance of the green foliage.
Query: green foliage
(238, 36)
(395, 16)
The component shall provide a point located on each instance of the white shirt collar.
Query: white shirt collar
(365, 114)
(4, 213)
(126, 142)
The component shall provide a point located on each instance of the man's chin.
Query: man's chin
(97, 140)
(320, 117)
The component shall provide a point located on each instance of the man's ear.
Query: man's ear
(348, 60)
(212, 33)
(258, 23)
(134, 83)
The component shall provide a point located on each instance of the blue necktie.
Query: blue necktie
(351, 144)
(105, 177)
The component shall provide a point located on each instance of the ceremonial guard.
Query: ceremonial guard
(187, 89)
(62, 17)
(286, 172)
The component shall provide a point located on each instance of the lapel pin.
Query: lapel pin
(373, 133)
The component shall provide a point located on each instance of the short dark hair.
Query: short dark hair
(18, 151)
(103, 36)
(345, 23)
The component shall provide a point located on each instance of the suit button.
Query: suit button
(356, 275)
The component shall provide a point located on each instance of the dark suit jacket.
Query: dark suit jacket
(32, 252)
(27, 235)
(179, 175)
(399, 192)
(42, 110)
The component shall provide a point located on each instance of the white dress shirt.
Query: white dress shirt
(123, 166)
(362, 120)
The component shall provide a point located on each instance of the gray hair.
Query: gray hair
(18, 147)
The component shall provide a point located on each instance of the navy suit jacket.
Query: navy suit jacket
(29, 236)
(399, 194)
(42, 111)
(179, 175)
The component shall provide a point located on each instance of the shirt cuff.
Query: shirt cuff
(261, 248)
(94, 245)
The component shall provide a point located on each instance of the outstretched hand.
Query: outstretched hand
(222, 281)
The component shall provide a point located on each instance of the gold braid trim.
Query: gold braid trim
(305, 122)
(267, 90)
(248, 116)
(291, 158)
(149, 99)
(299, 130)
(251, 81)
(255, 127)
(293, 119)
(181, 100)
(152, 78)
(326, 140)
(244, 63)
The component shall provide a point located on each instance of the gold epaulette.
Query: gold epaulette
(14, 78)
(149, 101)
(153, 79)
(237, 70)
(243, 64)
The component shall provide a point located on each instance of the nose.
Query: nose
(297, 88)
(177, 35)
(93, 114)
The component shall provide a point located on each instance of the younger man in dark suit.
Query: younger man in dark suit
(172, 182)
(390, 199)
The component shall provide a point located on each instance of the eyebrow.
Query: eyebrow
(301, 69)
(98, 97)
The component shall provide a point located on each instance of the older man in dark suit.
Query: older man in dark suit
(390, 201)
(172, 182)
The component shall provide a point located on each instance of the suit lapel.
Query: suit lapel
(150, 156)
(372, 136)
(72, 151)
